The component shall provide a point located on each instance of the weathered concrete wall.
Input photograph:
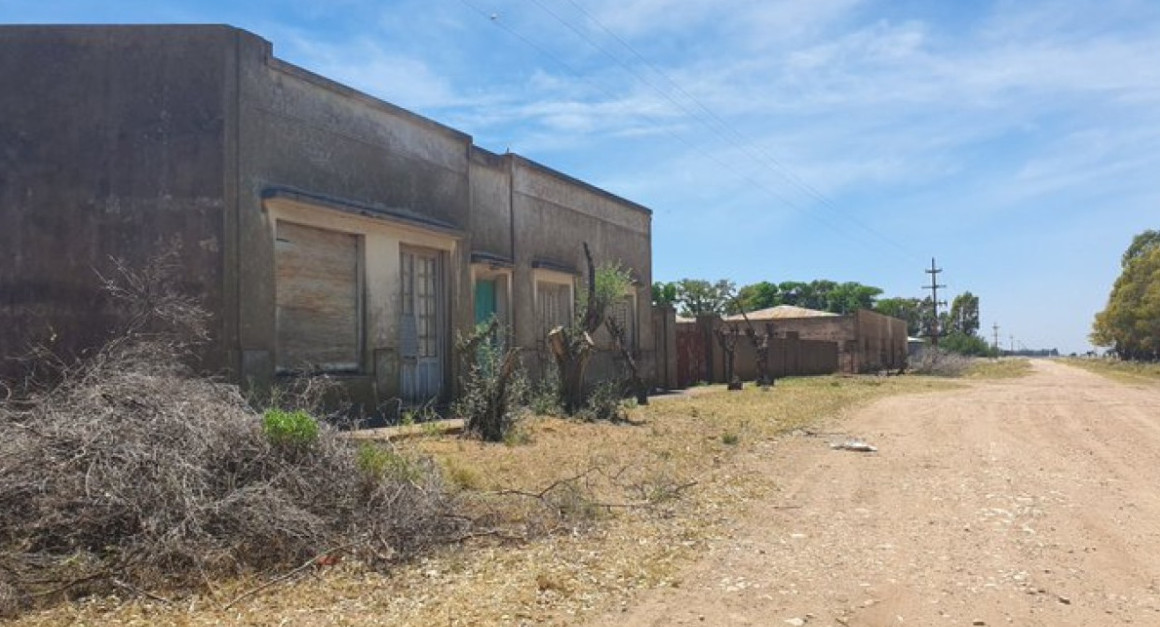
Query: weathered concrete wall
(491, 205)
(112, 144)
(787, 357)
(867, 341)
(701, 357)
(882, 342)
(125, 138)
(838, 329)
(350, 154)
(554, 215)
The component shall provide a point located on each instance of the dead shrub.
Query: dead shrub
(131, 472)
(939, 363)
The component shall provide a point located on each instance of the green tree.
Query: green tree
(664, 293)
(794, 293)
(964, 315)
(851, 296)
(965, 344)
(1130, 324)
(820, 294)
(572, 345)
(698, 297)
(1141, 244)
(762, 295)
(909, 309)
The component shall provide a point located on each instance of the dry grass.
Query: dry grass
(1131, 372)
(999, 368)
(936, 362)
(623, 509)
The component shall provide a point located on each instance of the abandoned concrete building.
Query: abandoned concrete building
(800, 342)
(324, 229)
(867, 341)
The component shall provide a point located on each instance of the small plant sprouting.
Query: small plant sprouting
(290, 428)
(729, 438)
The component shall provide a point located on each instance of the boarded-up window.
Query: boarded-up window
(317, 297)
(553, 306)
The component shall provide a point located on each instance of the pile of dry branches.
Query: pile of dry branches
(130, 472)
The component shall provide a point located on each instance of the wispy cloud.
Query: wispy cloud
(369, 66)
(958, 125)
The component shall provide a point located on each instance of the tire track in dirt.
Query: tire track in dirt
(1033, 501)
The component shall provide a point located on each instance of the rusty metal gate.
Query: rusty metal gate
(692, 355)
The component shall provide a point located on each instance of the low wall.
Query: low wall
(881, 342)
(701, 358)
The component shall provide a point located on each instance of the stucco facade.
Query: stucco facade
(324, 229)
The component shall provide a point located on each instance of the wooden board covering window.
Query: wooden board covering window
(317, 299)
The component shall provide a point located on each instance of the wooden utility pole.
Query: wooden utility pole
(934, 302)
(996, 344)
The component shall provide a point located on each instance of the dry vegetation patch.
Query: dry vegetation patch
(1131, 372)
(575, 520)
(128, 474)
(1007, 368)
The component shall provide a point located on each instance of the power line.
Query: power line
(713, 122)
(759, 152)
(761, 185)
(934, 287)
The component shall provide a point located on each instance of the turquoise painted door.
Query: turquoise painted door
(484, 300)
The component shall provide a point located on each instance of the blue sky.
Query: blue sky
(1016, 141)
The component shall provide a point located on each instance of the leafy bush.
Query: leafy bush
(543, 395)
(492, 384)
(604, 402)
(966, 344)
(290, 428)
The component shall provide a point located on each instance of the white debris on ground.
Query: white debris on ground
(854, 445)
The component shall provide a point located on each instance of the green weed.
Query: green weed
(290, 428)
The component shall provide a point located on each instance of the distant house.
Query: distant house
(867, 341)
(324, 229)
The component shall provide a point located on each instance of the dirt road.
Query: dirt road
(1033, 501)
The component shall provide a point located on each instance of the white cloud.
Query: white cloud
(367, 65)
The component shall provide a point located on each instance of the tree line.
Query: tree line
(1130, 324)
(957, 327)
